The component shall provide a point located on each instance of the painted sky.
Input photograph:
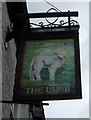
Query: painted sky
(71, 108)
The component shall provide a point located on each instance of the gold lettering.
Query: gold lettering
(52, 89)
(33, 90)
(68, 88)
(27, 90)
(58, 89)
(40, 90)
(46, 89)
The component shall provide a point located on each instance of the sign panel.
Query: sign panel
(48, 67)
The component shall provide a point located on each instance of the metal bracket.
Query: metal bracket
(24, 102)
(70, 22)
(9, 35)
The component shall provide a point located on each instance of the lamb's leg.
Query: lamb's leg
(52, 72)
(37, 70)
(37, 75)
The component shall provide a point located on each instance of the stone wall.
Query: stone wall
(8, 64)
(8, 72)
(0, 59)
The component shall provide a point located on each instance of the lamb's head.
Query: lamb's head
(61, 54)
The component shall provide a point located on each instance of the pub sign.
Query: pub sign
(48, 66)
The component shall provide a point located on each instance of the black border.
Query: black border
(44, 34)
